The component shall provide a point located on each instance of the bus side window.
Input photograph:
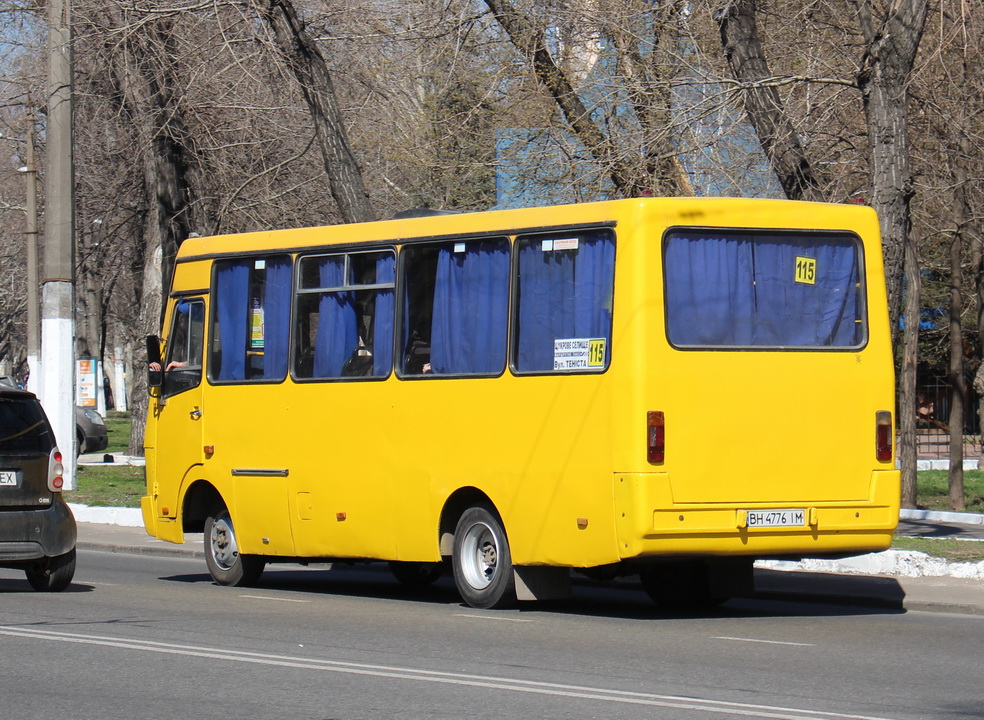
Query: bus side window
(345, 316)
(564, 302)
(183, 364)
(457, 307)
(250, 319)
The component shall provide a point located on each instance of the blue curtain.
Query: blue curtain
(710, 290)
(742, 291)
(276, 317)
(232, 311)
(471, 307)
(337, 332)
(563, 294)
(385, 313)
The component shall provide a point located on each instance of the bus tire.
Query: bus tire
(416, 574)
(225, 563)
(482, 563)
(55, 575)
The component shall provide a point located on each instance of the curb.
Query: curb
(941, 516)
(124, 517)
(162, 550)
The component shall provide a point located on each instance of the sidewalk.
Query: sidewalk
(857, 582)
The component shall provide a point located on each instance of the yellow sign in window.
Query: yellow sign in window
(806, 270)
(596, 353)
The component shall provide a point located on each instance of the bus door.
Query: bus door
(180, 410)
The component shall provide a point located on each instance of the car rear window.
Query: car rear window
(23, 427)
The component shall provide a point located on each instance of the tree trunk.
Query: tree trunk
(780, 141)
(141, 69)
(891, 45)
(907, 387)
(958, 383)
(311, 70)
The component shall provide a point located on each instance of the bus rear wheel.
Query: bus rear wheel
(226, 564)
(482, 563)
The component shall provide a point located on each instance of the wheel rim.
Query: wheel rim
(222, 542)
(480, 556)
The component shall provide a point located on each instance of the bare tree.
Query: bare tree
(644, 37)
(767, 113)
(309, 67)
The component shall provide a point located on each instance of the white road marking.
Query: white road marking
(491, 617)
(435, 676)
(767, 642)
(279, 599)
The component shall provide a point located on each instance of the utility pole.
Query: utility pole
(33, 322)
(58, 288)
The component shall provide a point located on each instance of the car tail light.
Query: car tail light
(884, 429)
(656, 436)
(56, 471)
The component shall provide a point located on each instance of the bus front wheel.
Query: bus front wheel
(225, 563)
(482, 563)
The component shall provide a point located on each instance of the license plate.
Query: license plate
(9, 478)
(776, 518)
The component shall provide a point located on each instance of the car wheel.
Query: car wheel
(226, 564)
(55, 574)
(482, 563)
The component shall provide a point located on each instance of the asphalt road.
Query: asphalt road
(153, 637)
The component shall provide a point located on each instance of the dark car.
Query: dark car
(91, 430)
(37, 528)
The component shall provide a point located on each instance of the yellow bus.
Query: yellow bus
(668, 387)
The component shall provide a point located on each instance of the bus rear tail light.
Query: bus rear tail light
(56, 471)
(656, 436)
(884, 429)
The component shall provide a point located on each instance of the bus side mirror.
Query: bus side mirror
(155, 377)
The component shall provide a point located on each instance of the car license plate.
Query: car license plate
(776, 518)
(9, 478)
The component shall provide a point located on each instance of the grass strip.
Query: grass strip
(108, 486)
(951, 549)
(933, 490)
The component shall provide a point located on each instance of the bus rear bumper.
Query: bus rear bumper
(649, 524)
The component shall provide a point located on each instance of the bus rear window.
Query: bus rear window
(761, 289)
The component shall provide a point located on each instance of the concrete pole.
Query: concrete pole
(119, 387)
(33, 321)
(58, 280)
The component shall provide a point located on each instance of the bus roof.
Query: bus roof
(689, 211)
